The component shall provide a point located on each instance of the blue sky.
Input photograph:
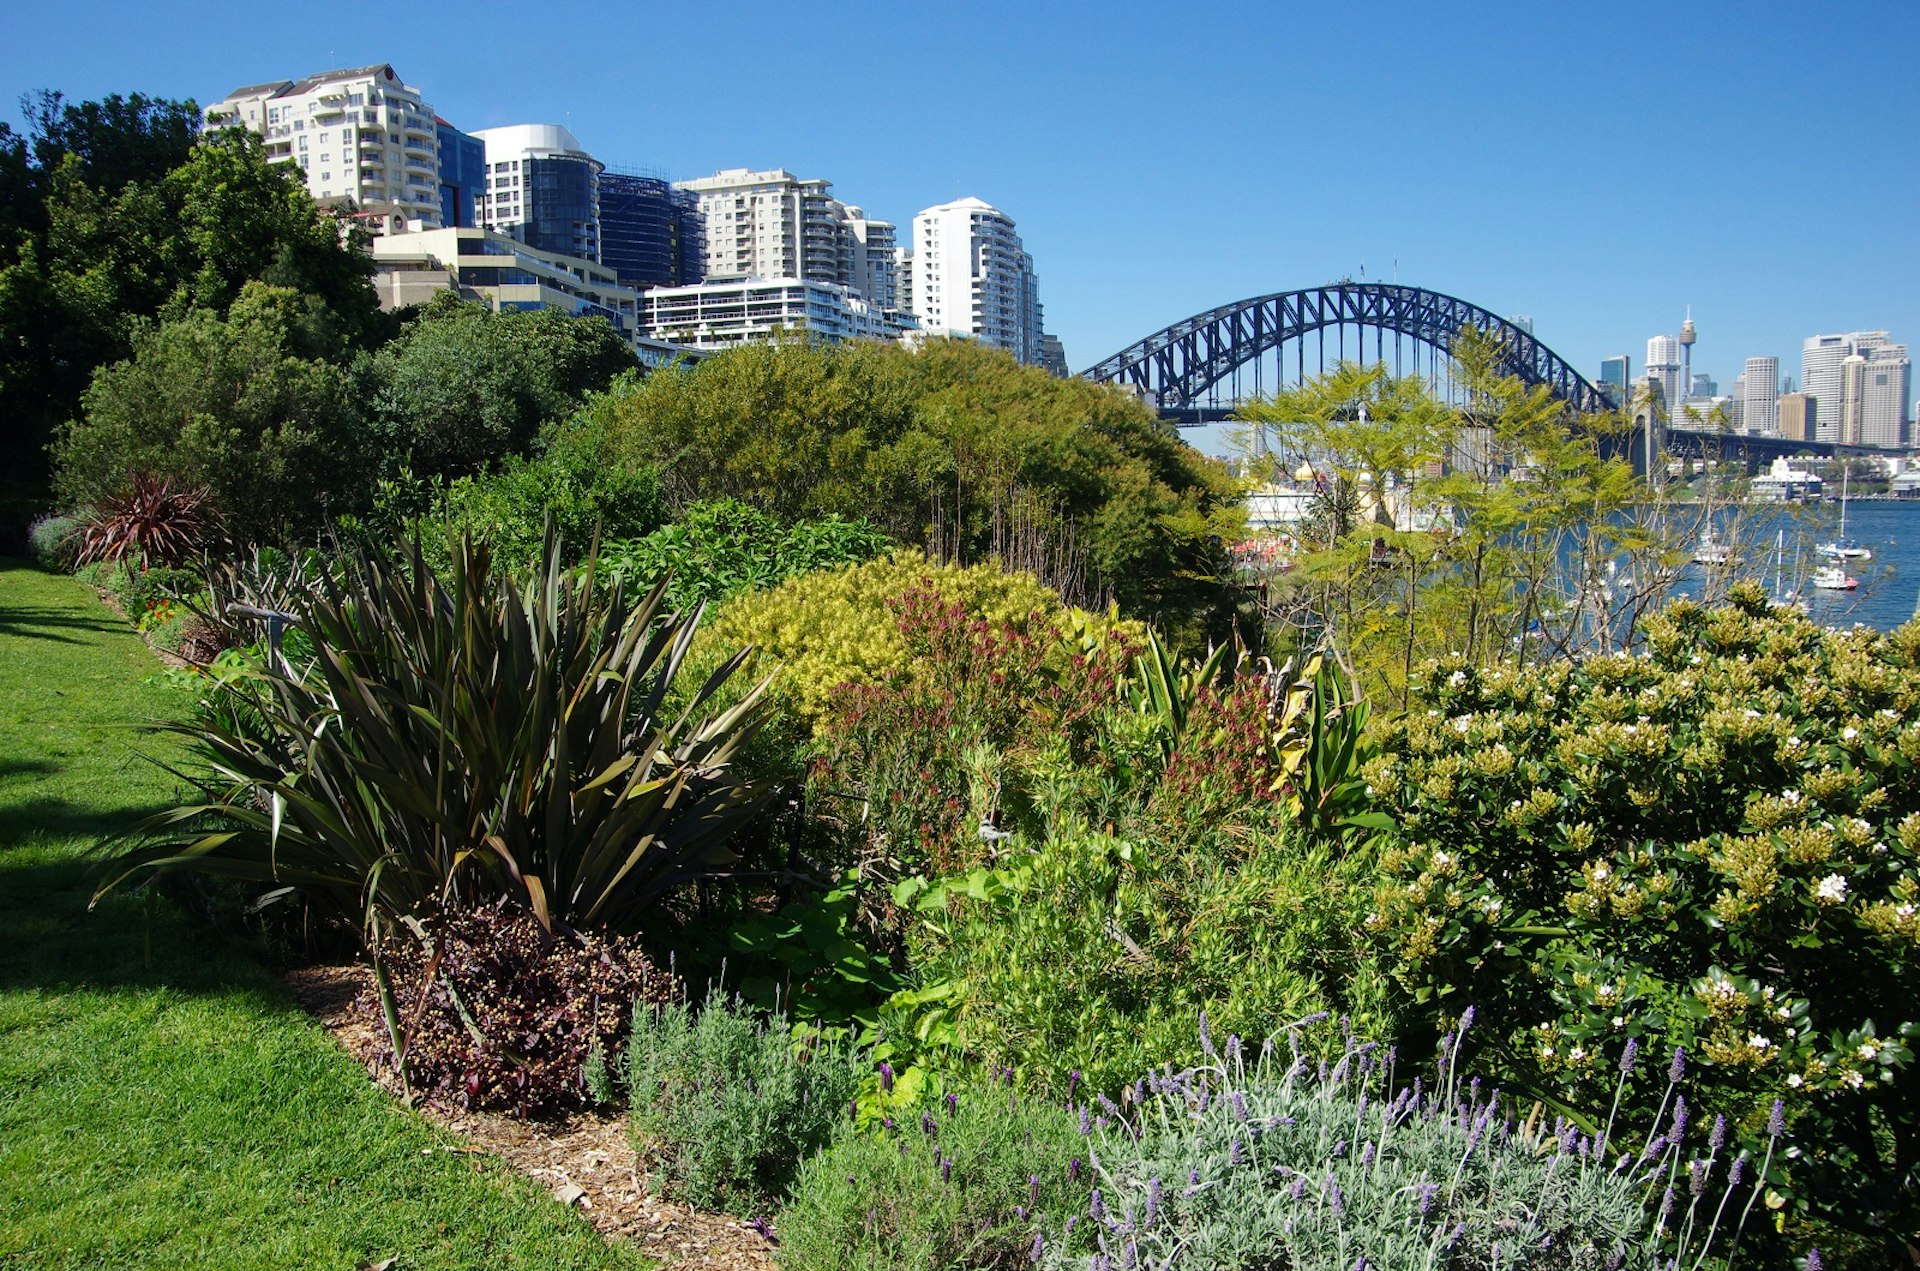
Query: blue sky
(1598, 166)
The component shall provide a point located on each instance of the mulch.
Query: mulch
(587, 1162)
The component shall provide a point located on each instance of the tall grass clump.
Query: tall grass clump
(726, 1106)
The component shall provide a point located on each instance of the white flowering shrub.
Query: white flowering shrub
(1712, 844)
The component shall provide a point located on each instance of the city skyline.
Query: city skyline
(1162, 163)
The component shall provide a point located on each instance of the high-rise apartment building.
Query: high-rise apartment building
(1759, 396)
(972, 277)
(1663, 367)
(544, 189)
(876, 255)
(650, 233)
(363, 140)
(773, 224)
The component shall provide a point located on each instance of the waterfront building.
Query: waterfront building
(972, 278)
(651, 234)
(772, 224)
(1880, 411)
(1783, 483)
(1796, 416)
(1663, 366)
(1760, 396)
(363, 140)
(543, 189)
(502, 272)
(723, 312)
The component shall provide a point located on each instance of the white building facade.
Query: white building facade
(503, 273)
(728, 312)
(1759, 395)
(361, 137)
(542, 189)
(971, 277)
(1663, 366)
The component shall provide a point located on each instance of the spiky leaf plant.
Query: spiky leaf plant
(152, 521)
(455, 739)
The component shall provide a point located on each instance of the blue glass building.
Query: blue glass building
(651, 234)
(463, 175)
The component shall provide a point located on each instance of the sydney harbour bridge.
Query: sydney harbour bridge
(1197, 370)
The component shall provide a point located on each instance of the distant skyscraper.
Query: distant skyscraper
(1616, 372)
(651, 234)
(545, 189)
(1703, 385)
(1663, 366)
(1880, 409)
(972, 277)
(1760, 396)
(1796, 416)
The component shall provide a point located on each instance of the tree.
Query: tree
(233, 403)
(954, 447)
(463, 387)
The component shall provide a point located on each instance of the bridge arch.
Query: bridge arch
(1177, 365)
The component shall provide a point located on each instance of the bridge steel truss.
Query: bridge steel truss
(1176, 366)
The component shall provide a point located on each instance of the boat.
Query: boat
(1711, 551)
(1832, 577)
(1844, 548)
(1782, 597)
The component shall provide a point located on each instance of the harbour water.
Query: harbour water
(1889, 583)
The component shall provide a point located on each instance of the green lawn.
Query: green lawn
(162, 1100)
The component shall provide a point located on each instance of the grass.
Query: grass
(163, 1102)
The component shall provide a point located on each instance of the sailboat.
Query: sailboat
(1710, 550)
(1844, 548)
(1832, 576)
(1782, 598)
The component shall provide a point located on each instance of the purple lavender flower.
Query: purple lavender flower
(886, 1077)
(1366, 1154)
(765, 1229)
(1073, 1170)
(1239, 1107)
(1777, 1120)
(1427, 1191)
(1098, 1206)
(953, 1102)
(1153, 1201)
(946, 1170)
(1679, 1118)
(1206, 1037)
(1696, 1177)
(1738, 1171)
(1233, 1151)
(1033, 1189)
(1086, 1123)
(1677, 1070)
(1299, 1189)
(1466, 1022)
(1233, 1047)
(1630, 1057)
(1813, 1261)
(1718, 1137)
(1193, 1178)
(1666, 1206)
(1338, 1200)
(1039, 1246)
(1073, 1083)
(928, 1126)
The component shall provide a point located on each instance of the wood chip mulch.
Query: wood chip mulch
(588, 1163)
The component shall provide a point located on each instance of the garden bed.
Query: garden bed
(588, 1162)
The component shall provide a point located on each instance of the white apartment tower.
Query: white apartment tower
(359, 136)
(1759, 396)
(1663, 367)
(772, 224)
(971, 277)
(1875, 413)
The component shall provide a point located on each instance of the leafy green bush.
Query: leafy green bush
(823, 630)
(1716, 844)
(1256, 1159)
(967, 1181)
(1093, 954)
(455, 740)
(725, 1106)
(135, 589)
(717, 550)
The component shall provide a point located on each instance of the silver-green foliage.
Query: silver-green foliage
(1269, 1160)
(725, 1106)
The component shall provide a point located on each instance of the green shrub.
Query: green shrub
(968, 1181)
(455, 740)
(1715, 844)
(823, 630)
(1258, 1158)
(725, 1106)
(717, 550)
(1094, 954)
(509, 509)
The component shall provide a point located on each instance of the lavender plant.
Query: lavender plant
(1262, 1158)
